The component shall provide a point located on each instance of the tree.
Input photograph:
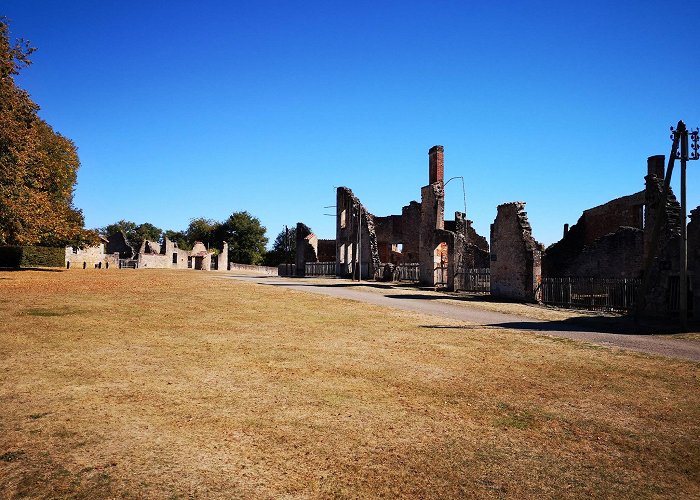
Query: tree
(178, 237)
(284, 248)
(38, 166)
(135, 234)
(246, 238)
(204, 230)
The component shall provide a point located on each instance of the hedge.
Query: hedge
(32, 257)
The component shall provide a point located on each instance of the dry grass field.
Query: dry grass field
(174, 384)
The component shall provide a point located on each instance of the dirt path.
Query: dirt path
(603, 331)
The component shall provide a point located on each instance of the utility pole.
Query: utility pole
(682, 134)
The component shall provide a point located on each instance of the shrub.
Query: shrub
(32, 256)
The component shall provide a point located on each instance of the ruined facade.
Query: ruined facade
(153, 255)
(516, 257)
(419, 235)
(117, 243)
(91, 257)
(357, 250)
(614, 240)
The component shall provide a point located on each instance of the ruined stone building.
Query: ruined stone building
(151, 255)
(613, 240)
(91, 257)
(365, 244)
(168, 256)
(609, 241)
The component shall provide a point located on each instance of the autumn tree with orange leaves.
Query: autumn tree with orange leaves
(38, 166)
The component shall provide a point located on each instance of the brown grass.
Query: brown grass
(174, 384)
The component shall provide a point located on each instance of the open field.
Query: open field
(176, 384)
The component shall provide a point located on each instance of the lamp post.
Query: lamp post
(681, 135)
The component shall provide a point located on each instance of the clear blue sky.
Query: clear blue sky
(185, 109)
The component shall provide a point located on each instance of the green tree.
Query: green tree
(284, 248)
(246, 238)
(179, 237)
(135, 233)
(38, 166)
(204, 230)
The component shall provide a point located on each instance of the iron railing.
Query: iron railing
(320, 269)
(590, 293)
(473, 280)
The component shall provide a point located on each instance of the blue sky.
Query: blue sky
(200, 109)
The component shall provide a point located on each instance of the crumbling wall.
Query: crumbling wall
(222, 258)
(432, 219)
(398, 237)
(356, 239)
(474, 251)
(410, 231)
(306, 244)
(515, 255)
(116, 243)
(150, 256)
(565, 258)
(90, 257)
(326, 250)
(615, 255)
(665, 268)
(627, 211)
(694, 258)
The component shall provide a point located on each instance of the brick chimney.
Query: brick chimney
(436, 164)
(656, 166)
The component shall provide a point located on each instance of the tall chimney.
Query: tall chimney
(655, 166)
(436, 164)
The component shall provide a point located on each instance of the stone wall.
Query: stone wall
(665, 267)
(356, 239)
(306, 247)
(117, 244)
(615, 255)
(626, 211)
(272, 271)
(432, 219)
(326, 250)
(694, 258)
(90, 258)
(515, 255)
(398, 237)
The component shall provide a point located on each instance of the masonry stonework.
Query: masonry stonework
(515, 255)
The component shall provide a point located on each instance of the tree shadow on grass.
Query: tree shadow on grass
(43, 269)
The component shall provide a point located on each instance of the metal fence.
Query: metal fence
(473, 280)
(407, 272)
(128, 263)
(590, 293)
(320, 269)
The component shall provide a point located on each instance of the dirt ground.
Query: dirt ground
(173, 384)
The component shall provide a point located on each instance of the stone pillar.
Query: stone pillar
(656, 166)
(432, 219)
(516, 259)
(223, 257)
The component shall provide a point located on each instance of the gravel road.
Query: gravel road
(602, 331)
